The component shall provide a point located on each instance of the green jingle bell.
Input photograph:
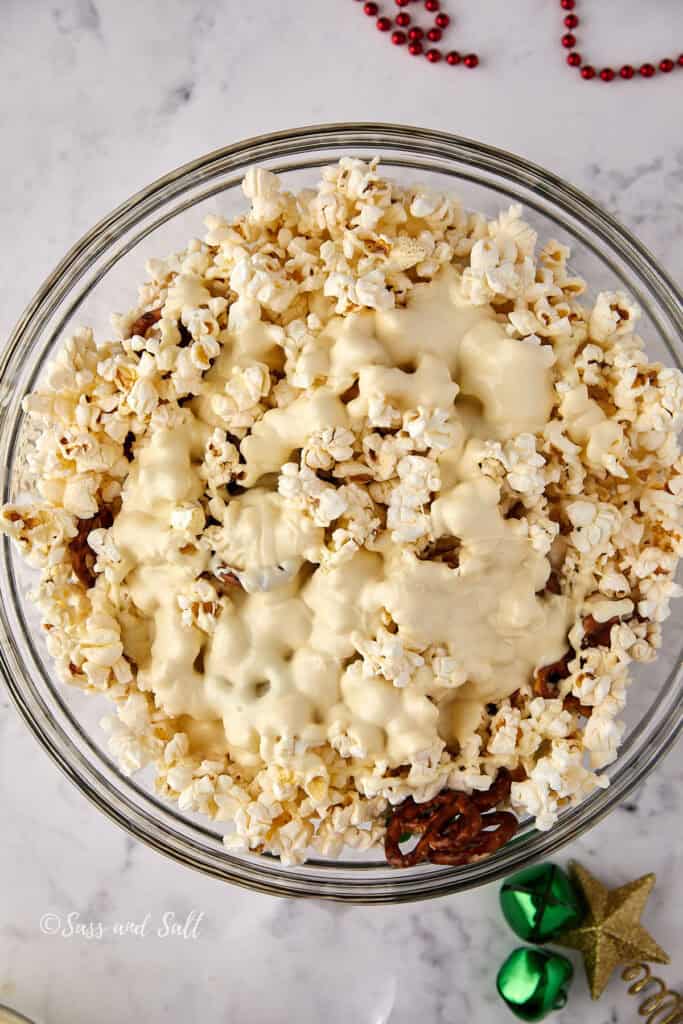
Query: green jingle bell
(533, 982)
(540, 902)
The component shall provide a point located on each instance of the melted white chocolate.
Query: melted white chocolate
(277, 662)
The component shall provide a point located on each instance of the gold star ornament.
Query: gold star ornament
(611, 932)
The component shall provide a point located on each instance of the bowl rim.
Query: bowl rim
(255, 872)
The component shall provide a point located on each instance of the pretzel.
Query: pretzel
(548, 678)
(499, 791)
(452, 828)
(225, 580)
(597, 634)
(82, 556)
(445, 550)
(144, 322)
(572, 703)
(482, 845)
(128, 442)
(423, 819)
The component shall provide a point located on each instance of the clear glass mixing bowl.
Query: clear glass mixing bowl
(100, 274)
(10, 1016)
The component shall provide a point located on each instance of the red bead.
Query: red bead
(680, 60)
(416, 34)
(666, 65)
(568, 40)
(567, 5)
(574, 60)
(627, 71)
(415, 48)
(433, 56)
(398, 38)
(403, 19)
(607, 74)
(453, 58)
(471, 60)
(402, 3)
(647, 70)
(434, 35)
(431, 5)
(571, 21)
(587, 71)
(370, 9)
(442, 21)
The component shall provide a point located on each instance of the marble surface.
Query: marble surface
(100, 97)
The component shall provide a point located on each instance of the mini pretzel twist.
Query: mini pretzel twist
(548, 678)
(144, 322)
(454, 828)
(482, 845)
(81, 554)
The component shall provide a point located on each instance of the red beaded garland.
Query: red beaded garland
(626, 72)
(442, 20)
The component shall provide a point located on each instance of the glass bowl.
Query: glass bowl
(10, 1016)
(100, 274)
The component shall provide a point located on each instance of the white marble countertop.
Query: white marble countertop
(102, 96)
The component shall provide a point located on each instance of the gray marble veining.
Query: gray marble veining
(101, 97)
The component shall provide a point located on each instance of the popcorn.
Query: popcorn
(387, 655)
(324, 502)
(240, 405)
(109, 560)
(41, 533)
(200, 606)
(522, 464)
(429, 428)
(418, 479)
(381, 413)
(613, 315)
(132, 740)
(326, 447)
(221, 461)
(188, 518)
(271, 436)
(263, 189)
